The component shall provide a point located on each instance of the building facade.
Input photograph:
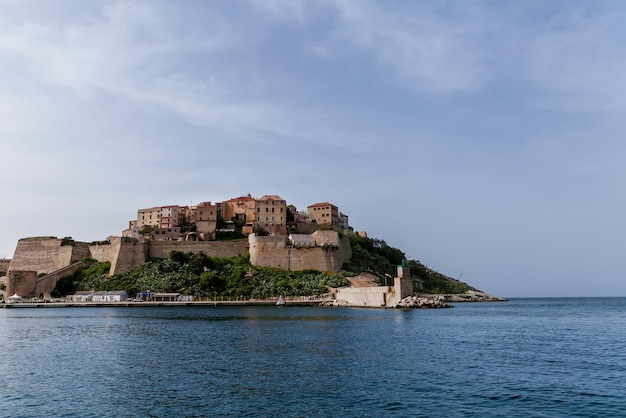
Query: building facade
(324, 214)
(170, 216)
(206, 221)
(240, 209)
(271, 214)
(148, 218)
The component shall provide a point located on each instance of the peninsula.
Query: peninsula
(243, 249)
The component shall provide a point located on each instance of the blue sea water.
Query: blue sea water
(525, 357)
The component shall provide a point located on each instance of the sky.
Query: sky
(483, 138)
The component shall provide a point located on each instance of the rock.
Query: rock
(472, 296)
(423, 302)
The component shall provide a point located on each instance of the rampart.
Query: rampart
(162, 249)
(21, 282)
(273, 251)
(123, 253)
(46, 254)
(34, 256)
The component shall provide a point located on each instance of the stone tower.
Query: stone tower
(403, 284)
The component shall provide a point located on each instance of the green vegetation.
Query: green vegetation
(147, 229)
(93, 272)
(229, 236)
(375, 256)
(105, 242)
(188, 228)
(208, 277)
(203, 276)
(67, 241)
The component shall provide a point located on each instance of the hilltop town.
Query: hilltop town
(267, 230)
(268, 215)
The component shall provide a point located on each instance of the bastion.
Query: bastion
(39, 262)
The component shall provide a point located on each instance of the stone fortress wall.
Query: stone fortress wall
(329, 253)
(34, 256)
(162, 249)
(46, 254)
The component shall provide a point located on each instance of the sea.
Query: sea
(557, 357)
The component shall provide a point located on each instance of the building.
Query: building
(271, 214)
(240, 209)
(165, 234)
(171, 216)
(148, 218)
(206, 221)
(343, 222)
(81, 296)
(324, 214)
(110, 296)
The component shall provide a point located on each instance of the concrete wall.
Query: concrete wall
(387, 296)
(364, 296)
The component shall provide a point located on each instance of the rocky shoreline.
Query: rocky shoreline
(473, 296)
(428, 301)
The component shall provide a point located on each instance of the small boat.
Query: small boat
(280, 302)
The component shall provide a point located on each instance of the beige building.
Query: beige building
(240, 209)
(324, 213)
(206, 221)
(160, 217)
(167, 234)
(271, 214)
(148, 217)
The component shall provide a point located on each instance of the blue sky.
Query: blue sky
(483, 138)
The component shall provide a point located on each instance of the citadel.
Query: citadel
(277, 236)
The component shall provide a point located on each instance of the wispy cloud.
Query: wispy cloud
(579, 60)
(421, 44)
